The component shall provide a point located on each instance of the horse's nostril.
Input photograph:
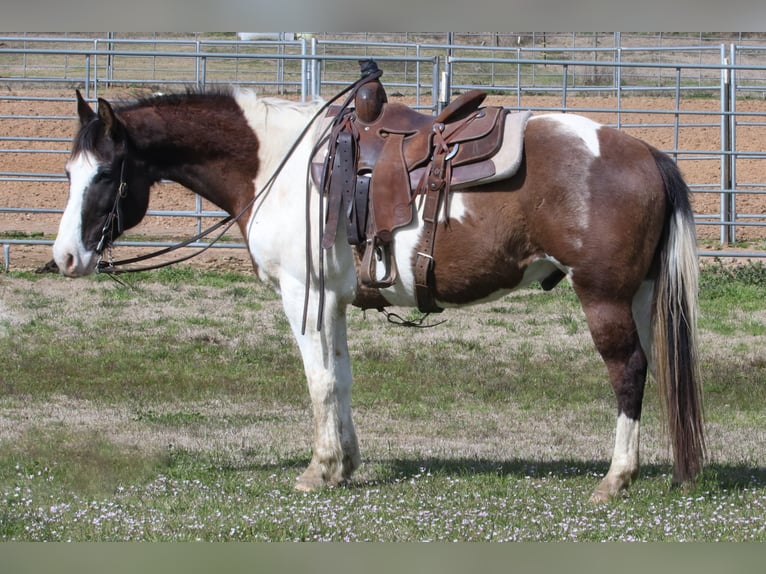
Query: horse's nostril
(69, 263)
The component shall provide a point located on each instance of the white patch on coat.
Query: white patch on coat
(407, 242)
(276, 237)
(276, 233)
(579, 126)
(626, 443)
(68, 250)
(585, 130)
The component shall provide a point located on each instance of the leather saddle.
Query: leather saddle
(382, 155)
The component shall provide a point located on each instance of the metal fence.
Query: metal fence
(704, 85)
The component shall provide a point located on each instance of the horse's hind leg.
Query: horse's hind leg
(328, 372)
(615, 335)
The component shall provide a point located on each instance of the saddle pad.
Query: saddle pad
(508, 158)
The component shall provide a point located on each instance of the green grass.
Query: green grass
(186, 496)
(14, 234)
(176, 409)
(730, 295)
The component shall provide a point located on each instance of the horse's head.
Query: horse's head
(108, 193)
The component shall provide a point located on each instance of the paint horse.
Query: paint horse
(588, 202)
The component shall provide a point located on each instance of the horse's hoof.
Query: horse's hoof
(309, 483)
(607, 490)
(304, 486)
(599, 497)
(311, 479)
(310, 486)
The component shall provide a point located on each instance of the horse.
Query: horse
(603, 209)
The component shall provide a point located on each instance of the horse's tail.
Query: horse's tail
(674, 348)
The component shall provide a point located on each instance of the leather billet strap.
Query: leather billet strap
(355, 205)
(436, 186)
(341, 184)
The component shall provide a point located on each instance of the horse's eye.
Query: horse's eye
(102, 176)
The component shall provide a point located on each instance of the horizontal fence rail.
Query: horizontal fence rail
(716, 90)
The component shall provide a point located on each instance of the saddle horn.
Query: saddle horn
(370, 97)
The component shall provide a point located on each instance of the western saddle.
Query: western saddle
(381, 156)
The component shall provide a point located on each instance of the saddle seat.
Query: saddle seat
(417, 130)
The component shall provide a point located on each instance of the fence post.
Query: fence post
(564, 89)
(444, 91)
(316, 82)
(87, 77)
(728, 234)
(110, 60)
(618, 86)
(732, 195)
(677, 114)
(304, 73)
(445, 83)
(435, 84)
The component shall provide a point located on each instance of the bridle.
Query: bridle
(115, 217)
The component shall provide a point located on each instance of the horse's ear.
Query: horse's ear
(113, 126)
(84, 110)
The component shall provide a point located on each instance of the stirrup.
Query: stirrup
(369, 270)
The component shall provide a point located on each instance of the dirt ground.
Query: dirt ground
(700, 134)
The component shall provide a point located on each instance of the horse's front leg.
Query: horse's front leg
(328, 372)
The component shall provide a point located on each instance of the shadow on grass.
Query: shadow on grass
(723, 476)
(391, 471)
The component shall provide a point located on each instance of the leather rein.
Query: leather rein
(115, 217)
(111, 267)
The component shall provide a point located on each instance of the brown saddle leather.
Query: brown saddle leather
(399, 153)
(401, 140)
(465, 124)
(393, 149)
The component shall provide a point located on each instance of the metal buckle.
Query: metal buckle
(452, 153)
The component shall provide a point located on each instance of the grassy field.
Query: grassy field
(176, 409)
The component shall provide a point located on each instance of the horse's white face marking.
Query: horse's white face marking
(579, 126)
(68, 250)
